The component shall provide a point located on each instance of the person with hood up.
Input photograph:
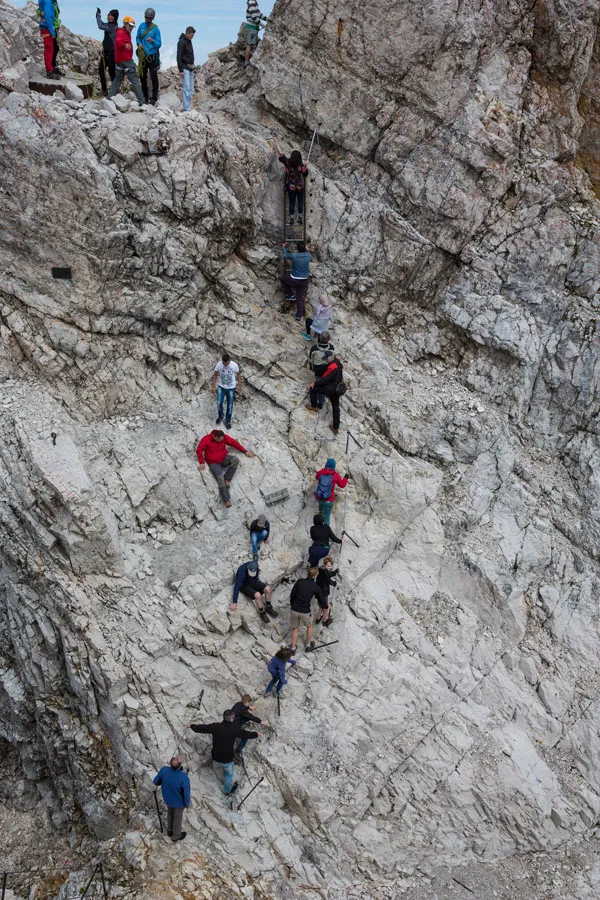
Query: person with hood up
(185, 64)
(212, 449)
(248, 582)
(107, 59)
(124, 64)
(328, 479)
(49, 15)
(148, 42)
(176, 794)
(329, 384)
(322, 536)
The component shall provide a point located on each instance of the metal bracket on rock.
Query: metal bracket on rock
(277, 497)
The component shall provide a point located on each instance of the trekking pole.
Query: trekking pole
(320, 646)
(315, 135)
(87, 887)
(160, 822)
(278, 705)
(241, 803)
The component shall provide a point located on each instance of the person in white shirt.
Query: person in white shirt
(225, 381)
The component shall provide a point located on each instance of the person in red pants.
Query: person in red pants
(48, 15)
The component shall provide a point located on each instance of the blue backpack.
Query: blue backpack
(325, 486)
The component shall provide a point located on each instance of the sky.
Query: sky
(216, 21)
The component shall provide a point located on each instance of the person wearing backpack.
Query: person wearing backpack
(328, 479)
(295, 181)
(148, 42)
(322, 536)
(297, 280)
(329, 384)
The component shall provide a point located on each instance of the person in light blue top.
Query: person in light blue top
(176, 794)
(297, 279)
(148, 42)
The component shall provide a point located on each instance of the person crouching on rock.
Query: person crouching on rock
(124, 64)
(224, 735)
(175, 786)
(248, 582)
(212, 449)
(260, 530)
(276, 668)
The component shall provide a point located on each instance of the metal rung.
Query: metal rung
(277, 497)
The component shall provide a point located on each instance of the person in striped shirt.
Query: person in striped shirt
(254, 21)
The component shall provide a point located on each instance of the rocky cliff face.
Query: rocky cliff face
(456, 722)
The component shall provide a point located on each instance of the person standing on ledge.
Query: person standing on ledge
(107, 60)
(148, 42)
(124, 64)
(185, 64)
(175, 786)
(298, 278)
(254, 22)
(226, 381)
(212, 449)
(224, 735)
(48, 14)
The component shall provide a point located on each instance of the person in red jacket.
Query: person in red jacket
(124, 64)
(328, 479)
(212, 449)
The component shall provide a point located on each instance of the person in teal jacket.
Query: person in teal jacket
(48, 15)
(148, 42)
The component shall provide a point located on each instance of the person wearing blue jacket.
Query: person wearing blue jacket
(175, 786)
(297, 279)
(276, 668)
(248, 582)
(48, 14)
(148, 42)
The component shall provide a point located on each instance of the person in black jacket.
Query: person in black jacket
(107, 60)
(328, 385)
(326, 580)
(322, 535)
(300, 601)
(224, 735)
(185, 64)
(242, 713)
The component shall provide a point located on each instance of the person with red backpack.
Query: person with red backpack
(295, 181)
(328, 479)
(329, 384)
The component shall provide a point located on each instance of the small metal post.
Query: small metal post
(344, 532)
(158, 811)
(87, 887)
(103, 882)
(278, 705)
(54, 436)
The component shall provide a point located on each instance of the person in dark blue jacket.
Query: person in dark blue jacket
(176, 793)
(248, 582)
(276, 667)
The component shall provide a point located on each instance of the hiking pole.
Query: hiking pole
(4, 881)
(160, 822)
(241, 803)
(278, 705)
(315, 133)
(320, 646)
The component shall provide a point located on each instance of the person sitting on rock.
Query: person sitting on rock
(226, 381)
(326, 580)
(242, 712)
(124, 64)
(300, 601)
(297, 279)
(148, 42)
(276, 668)
(212, 449)
(321, 320)
(328, 479)
(295, 181)
(224, 735)
(260, 530)
(107, 59)
(248, 582)
(329, 384)
(254, 22)
(49, 15)
(175, 786)
(322, 536)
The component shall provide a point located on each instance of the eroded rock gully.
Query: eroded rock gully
(450, 742)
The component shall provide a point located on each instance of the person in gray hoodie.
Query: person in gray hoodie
(297, 279)
(107, 60)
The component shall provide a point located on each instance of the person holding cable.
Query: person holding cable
(224, 736)
(301, 614)
(175, 786)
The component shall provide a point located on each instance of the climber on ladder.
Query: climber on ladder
(295, 184)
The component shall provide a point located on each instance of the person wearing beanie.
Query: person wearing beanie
(176, 794)
(124, 64)
(148, 42)
(328, 479)
(248, 582)
(107, 60)
(322, 536)
(185, 64)
(260, 529)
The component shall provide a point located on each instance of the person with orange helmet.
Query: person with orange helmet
(124, 64)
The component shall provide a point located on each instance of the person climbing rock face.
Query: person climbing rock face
(107, 59)
(124, 64)
(301, 613)
(247, 581)
(48, 15)
(212, 449)
(260, 530)
(226, 381)
(243, 713)
(175, 786)
(276, 668)
(254, 22)
(321, 318)
(224, 735)
(329, 384)
(326, 580)
(321, 534)
(328, 479)
(296, 174)
(148, 42)
(297, 279)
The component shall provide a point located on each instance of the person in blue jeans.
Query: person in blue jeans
(260, 530)
(224, 735)
(226, 381)
(185, 64)
(276, 668)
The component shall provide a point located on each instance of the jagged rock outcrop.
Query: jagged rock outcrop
(457, 721)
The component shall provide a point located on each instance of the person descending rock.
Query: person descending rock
(295, 181)
(326, 580)
(175, 786)
(328, 479)
(260, 530)
(254, 22)
(248, 582)
(213, 450)
(107, 59)
(322, 536)
(185, 64)
(297, 279)
(322, 319)
(318, 362)
(300, 601)
(242, 713)
(224, 735)
(276, 668)
(124, 64)
(225, 381)
(48, 14)
(148, 42)
(329, 384)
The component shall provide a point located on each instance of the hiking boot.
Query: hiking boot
(291, 220)
(180, 838)
(328, 622)
(234, 788)
(58, 72)
(227, 424)
(228, 504)
(309, 647)
(281, 695)
(293, 649)
(263, 614)
(300, 220)
(291, 299)
(53, 75)
(306, 336)
(272, 612)
(219, 420)
(335, 430)
(169, 834)
(311, 408)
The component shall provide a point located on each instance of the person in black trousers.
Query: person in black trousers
(328, 385)
(107, 60)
